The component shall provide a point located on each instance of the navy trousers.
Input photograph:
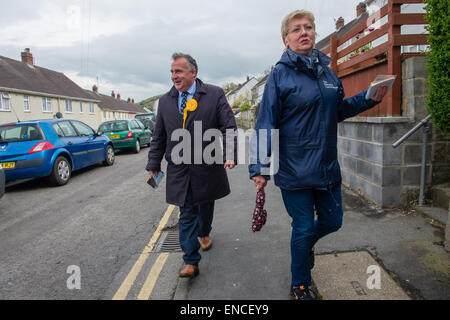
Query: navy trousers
(195, 221)
(306, 230)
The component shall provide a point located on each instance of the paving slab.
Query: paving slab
(354, 276)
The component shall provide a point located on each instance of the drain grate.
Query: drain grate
(168, 242)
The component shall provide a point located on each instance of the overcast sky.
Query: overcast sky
(126, 46)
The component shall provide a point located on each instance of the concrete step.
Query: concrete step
(436, 213)
(441, 196)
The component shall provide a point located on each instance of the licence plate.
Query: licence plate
(115, 136)
(8, 165)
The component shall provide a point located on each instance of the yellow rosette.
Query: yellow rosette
(191, 106)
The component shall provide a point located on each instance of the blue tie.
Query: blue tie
(183, 101)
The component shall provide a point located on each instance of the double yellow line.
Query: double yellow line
(153, 275)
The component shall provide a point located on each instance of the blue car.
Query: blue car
(51, 148)
(2, 182)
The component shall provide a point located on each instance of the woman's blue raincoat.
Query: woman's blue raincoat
(305, 102)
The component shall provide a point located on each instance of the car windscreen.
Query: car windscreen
(145, 116)
(113, 126)
(20, 132)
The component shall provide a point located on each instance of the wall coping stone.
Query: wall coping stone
(381, 119)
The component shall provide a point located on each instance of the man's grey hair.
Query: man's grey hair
(192, 64)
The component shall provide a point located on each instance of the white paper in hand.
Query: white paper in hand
(380, 80)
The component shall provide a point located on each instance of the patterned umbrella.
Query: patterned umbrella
(259, 214)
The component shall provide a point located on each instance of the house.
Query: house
(112, 107)
(258, 91)
(343, 28)
(30, 92)
(363, 11)
(151, 104)
(242, 91)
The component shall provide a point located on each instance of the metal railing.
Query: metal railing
(426, 130)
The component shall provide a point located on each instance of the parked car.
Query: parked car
(129, 133)
(148, 119)
(2, 182)
(52, 148)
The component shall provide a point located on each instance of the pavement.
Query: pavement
(378, 254)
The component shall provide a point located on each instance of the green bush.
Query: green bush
(242, 102)
(438, 63)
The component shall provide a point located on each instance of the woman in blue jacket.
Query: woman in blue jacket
(304, 100)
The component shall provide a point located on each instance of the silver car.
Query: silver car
(2, 181)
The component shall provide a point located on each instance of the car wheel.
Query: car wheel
(110, 156)
(61, 172)
(137, 146)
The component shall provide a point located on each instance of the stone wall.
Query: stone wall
(391, 176)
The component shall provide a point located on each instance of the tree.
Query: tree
(242, 102)
(438, 63)
(228, 87)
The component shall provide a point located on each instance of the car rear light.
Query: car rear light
(41, 146)
(130, 134)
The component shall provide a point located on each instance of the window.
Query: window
(4, 101)
(83, 129)
(91, 107)
(69, 106)
(64, 129)
(26, 103)
(140, 124)
(19, 132)
(136, 124)
(46, 105)
(81, 107)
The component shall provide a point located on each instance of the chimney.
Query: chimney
(340, 23)
(248, 78)
(132, 101)
(94, 88)
(128, 101)
(113, 94)
(118, 96)
(27, 57)
(360, 9)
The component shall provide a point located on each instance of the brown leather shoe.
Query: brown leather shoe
(189, 271)
(205, 243)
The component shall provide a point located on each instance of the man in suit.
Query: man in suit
(192, 185)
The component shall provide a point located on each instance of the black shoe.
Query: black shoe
(311, 258)
(301, 293)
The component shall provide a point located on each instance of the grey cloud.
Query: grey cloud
(228, 39)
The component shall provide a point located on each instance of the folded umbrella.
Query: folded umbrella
(259, 214)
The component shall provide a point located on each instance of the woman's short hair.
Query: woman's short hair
(293, 15)
(192, 64)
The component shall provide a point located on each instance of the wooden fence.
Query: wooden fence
(357, 73)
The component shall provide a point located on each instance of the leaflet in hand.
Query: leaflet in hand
(155, 180)
(380, 80)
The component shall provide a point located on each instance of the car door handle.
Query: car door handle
(69, 143)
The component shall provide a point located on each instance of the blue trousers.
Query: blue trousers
(306, 230)
(195, 221)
